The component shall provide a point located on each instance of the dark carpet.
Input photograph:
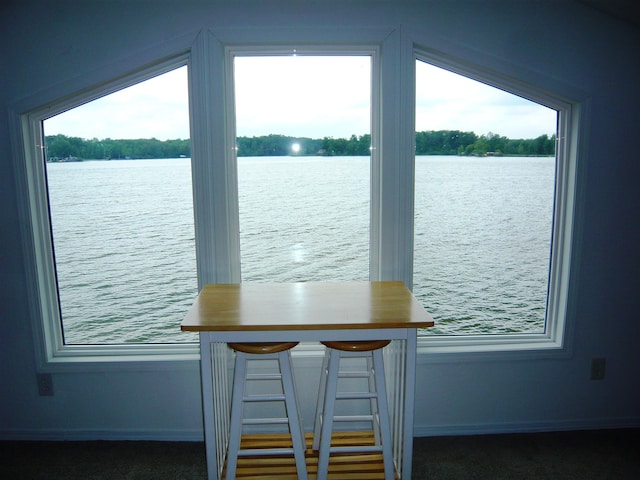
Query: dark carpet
(584, 455)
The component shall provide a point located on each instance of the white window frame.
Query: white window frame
(373, 52)
(50, 348)
(556, 339)
(213, 172)
(208, 57)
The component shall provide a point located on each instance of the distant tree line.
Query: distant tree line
(279, 145)
(455, 142)
(61, 148)
(439, 142)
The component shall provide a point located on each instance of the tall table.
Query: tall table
(306, 312)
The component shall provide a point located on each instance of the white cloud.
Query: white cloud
(303, 96)
(306, 96)
(447, 101)
(158, 107)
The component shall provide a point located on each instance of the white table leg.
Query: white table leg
(206, 375)
(409, 402)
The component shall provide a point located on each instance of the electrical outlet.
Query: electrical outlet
(45, 384)
(597, 368)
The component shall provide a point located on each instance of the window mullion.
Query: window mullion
(392, 178)
(213, 164)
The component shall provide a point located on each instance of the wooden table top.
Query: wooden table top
(305, 306)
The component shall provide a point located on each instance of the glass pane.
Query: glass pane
(485, 174)
(121, 206)
(303, 137)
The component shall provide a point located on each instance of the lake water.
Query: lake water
(124, 239)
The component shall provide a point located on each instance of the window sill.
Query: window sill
(76, 358)
(443, 349)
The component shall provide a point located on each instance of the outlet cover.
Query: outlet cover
(598, 368)
(45, 384)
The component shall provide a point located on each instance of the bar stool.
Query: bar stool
(377, 394)
(264, 351)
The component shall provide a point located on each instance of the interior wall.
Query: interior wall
(560, 45)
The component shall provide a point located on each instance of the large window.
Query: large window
(273, 163)
(485, 176)
(486, 180)
(303, 137)
(118, 178)
(124, 245)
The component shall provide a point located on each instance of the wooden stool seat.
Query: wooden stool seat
(256, 348)
(270, 351)
(358, 345)
(375, 395)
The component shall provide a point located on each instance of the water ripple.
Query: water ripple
(125, 249)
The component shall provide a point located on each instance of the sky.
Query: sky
(305, 96)
(448, 101)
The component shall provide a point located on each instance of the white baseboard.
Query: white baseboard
(525, 427)
(109, 435)
(419, 431)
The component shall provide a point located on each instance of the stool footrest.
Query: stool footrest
(349, 374)
(353, 418)
(264, 421)
(355, 395)
(356, 449)
(264, 398)
(264, 451)
(264, 376)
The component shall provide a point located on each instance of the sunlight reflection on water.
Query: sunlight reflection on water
(124, 239)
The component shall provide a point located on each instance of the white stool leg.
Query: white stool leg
(378, 402)
(331, 389)
(237, 406)
(383, 414)
(375, 423)
(321, 396)
(293, 414)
